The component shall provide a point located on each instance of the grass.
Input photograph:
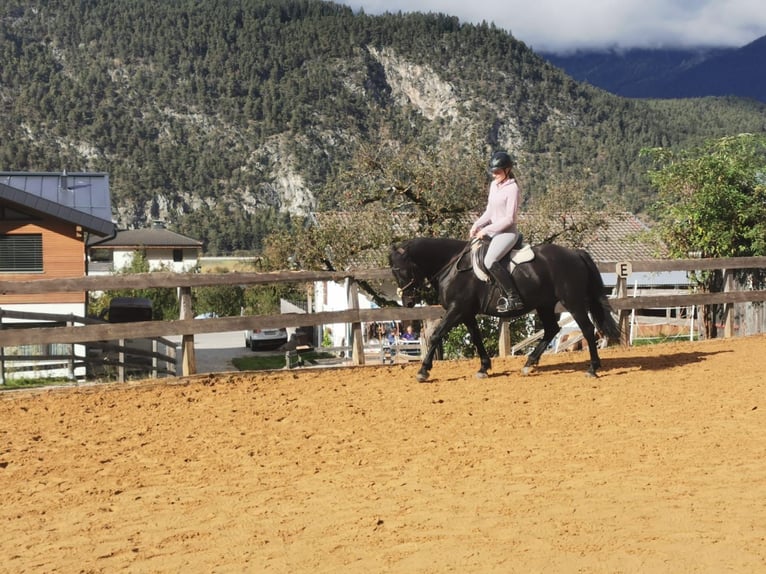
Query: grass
(13, 384)
(277, 361)
(666, 339)
(254, 363)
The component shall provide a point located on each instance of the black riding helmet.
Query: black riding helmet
(500, 160)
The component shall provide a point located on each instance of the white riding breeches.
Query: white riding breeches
(499, 246)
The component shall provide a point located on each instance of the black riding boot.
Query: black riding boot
(512, 301)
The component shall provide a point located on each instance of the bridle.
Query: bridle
(400, 290)
(427, 282)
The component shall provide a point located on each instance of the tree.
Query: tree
(565, 213)
(396, 191)
(223, 300)
(435, 186)
(265, 299)
(712, 203)
(164, 300)
(391, 192)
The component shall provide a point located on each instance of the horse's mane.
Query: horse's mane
(432, 254)
(441, 247)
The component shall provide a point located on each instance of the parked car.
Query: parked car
(265, 339)
(127, 309)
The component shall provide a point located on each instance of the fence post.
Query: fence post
(70, 362)
(624, 320)
(728, 308)
(357, 343)
(171, 351)
(189, 361)
(155, 360)
(2, 354)
(504, 339)
(121, 356)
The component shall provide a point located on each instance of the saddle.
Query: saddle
(520, 253)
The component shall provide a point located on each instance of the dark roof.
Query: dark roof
(623, 239)
(142, 238)
(79, 198)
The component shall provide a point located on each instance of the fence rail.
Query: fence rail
(120, 359)
(187, 327)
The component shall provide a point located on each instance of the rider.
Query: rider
(499, 221)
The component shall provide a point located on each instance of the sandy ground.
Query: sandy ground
(659, 465)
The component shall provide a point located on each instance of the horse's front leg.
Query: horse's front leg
(441, 330)
(478, 341)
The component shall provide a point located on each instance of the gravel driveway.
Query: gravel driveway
(214, 351)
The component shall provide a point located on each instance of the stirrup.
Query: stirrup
(505, 304)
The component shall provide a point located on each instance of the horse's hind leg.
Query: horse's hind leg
(551, 327)
(478, 341)
(589, 333)
(441, 330)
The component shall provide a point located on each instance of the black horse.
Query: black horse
(555, 274)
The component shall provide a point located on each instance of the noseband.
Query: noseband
(400, 291)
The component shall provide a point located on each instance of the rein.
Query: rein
(453, 262)
(432, 278)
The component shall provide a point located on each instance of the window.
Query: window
(21, 253)
(178, 255)
(101, 255)
(40, 350)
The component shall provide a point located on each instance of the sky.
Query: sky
(566, 25)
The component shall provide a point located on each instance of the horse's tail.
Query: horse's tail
(600, 309)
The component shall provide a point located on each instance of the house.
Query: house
(623, 239)
(333, 296)
(45, 221)
(163, 249)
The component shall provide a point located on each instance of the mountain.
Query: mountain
(227, 118)
(663, 73)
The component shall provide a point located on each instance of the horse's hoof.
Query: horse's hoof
(481, 375)
(422, 378)
(527, 371)
(591, 375)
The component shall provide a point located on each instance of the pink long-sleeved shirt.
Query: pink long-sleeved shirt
(502, 209)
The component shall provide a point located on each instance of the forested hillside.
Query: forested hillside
(223, 118)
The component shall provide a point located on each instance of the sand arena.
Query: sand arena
(659, 465)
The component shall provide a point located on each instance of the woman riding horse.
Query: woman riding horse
(555, 275)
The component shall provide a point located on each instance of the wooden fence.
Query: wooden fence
(120, 359)
(187, 327)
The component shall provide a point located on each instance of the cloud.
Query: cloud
(560, 25)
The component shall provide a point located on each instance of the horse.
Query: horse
(553, 274)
